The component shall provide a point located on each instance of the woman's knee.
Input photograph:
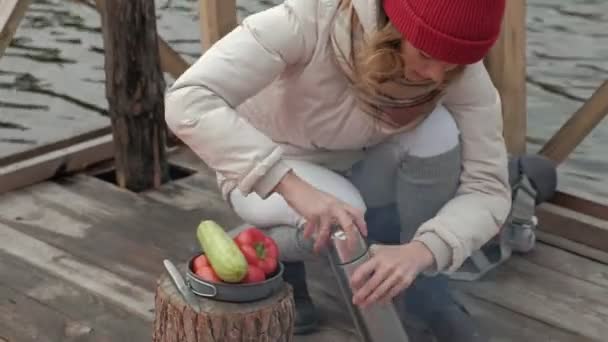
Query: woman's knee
(436, 135)
(264, 213)
(275, 211)
(328, 181)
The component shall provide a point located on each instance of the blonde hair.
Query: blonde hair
(378, 58)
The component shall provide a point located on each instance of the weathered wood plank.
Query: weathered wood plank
(582, 203)
(80, 226)
(194, 193)
(153, 220)
(572, 225)
(66, 160)
(549, 296)
(24, 319)
(84, 213)
(569, 264)
(72, 301)
(98, 280)
(501, 324)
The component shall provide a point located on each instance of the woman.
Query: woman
(375, 115)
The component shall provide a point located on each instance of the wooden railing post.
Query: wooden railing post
(217, 18)
(134, 89)
(506, 64)
(11, 13)
(580, 124)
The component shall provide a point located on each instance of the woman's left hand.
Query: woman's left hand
(390, 270)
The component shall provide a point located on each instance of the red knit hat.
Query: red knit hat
(453, 31)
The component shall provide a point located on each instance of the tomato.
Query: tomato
(200, 261)
(208, 274)
(254, 275)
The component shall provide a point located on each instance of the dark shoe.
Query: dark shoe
(430, 300)
(306, 320)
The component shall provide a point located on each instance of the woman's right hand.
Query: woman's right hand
(320, 210)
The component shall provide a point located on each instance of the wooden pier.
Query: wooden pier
(80, 255)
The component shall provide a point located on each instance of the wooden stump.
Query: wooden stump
(270, 319)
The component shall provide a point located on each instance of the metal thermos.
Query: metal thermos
(378, 322)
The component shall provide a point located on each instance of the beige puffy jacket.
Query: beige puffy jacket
(270, 90)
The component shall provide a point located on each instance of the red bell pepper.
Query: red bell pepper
(259, 249)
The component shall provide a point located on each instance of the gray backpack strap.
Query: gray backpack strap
(522, 221)
(533, 180)
(535, 183)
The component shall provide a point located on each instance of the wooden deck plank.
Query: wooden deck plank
(137, 300)
(195, 192)
(168, 227)
(549, 296)
(80, 226)
(573, 247)
(89, 309)
(570, 264)
(501, 324)
(25, 320)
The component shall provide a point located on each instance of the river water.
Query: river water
(52, 78)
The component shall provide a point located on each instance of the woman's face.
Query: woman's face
(421, 67)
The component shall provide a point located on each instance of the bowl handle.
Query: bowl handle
(212, 289)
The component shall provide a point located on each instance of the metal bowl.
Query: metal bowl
(238, 293)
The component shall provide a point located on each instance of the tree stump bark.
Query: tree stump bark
(267, 320)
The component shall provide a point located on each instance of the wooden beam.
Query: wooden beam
(506, 64)
(11, 13)
(587, 206)
(574, 226)
(171, 61)
(134, 89)
(66, 160)
(576, 129)
(573, 247)
(217, 18)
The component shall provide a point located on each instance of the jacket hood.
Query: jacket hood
(369, 12)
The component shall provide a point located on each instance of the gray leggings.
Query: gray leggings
(401, 183)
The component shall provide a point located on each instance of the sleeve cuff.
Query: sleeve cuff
(266, 184)
(440, 249)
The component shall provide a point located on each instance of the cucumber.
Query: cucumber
(222, 252)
